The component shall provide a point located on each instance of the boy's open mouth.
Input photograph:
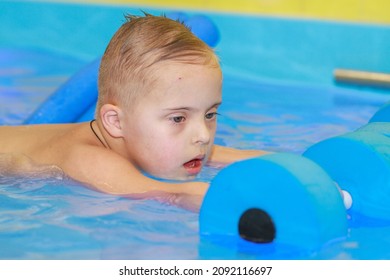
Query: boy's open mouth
(194, 166)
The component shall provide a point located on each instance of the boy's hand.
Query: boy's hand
(221, 155)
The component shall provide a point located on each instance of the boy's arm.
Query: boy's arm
(226, 155)
(108, 172)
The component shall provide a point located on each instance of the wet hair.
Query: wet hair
(141, 44)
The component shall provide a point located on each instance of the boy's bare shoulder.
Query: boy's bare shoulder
(99, 168)
(27, 138)
(39, 150)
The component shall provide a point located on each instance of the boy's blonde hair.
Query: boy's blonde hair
(127, 69)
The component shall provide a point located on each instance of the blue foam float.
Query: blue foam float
(293, 199)
(281, 198)
(382, 115)
(360, 163)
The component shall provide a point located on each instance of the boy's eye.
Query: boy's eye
(178, 119)
(211, 116)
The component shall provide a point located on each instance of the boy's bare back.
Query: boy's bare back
(39, 150)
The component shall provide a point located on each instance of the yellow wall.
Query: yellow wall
(370, 11)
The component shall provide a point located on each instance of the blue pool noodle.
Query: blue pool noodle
(177, 15)
(71, 100)
(204, 28)
(88, 115)
(201, 25)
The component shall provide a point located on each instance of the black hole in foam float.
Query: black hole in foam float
(256, 225)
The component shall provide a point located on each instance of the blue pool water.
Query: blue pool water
(273, 99)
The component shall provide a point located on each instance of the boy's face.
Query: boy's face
(170, 132)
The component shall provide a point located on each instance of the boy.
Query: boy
(159, 92)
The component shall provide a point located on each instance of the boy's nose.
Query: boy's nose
(202, 135)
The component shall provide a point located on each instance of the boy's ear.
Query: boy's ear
(110, 118)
